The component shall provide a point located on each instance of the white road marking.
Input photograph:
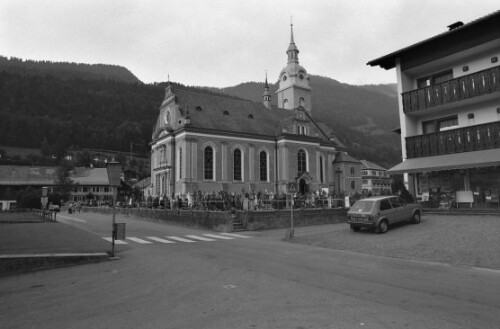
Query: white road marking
(116, 241)
(218, 236)
(154, 238)
(176, 238)
(71, 218)
(139, 240)
(237, 235)
(196, 237)
(205, 237)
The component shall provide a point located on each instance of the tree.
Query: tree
(29, 198)
(63, 179)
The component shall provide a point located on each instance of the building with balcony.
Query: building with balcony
(449, 109)
(211, 142)
(375, 178)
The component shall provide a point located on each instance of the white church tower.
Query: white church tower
(294, 89)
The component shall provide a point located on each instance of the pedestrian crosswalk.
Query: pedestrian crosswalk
(190, 238)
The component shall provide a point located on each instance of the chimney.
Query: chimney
(455, 25)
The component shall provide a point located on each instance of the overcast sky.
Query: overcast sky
(226, 42)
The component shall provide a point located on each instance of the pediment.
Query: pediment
(305, 176)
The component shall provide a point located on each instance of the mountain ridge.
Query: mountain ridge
(67, 99)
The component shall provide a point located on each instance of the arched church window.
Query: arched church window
(302, 101)
(208, 163)
(237, 165)
(353, 171)
(263, 166)
(285, 103)
(180, 163)
(301, 161)
(321, 169)
(250, 116)
(225, 113)
(353, 185)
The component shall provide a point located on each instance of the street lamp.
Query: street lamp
(114, 170)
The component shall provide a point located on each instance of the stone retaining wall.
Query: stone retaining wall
(222, 221)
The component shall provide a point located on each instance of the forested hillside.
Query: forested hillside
(66, 70)
(49, 112)
(57, 106)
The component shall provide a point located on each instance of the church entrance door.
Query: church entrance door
(303, 188)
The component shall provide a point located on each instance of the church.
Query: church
(211, 142)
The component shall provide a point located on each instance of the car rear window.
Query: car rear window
(362, 206)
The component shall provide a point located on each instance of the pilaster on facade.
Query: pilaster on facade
(251, 162)
(224, 161)
(194, 160)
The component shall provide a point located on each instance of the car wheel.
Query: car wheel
(382, 227)
(416, 218)
(355, 228)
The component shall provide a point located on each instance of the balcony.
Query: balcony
(451, 91)
(471, 138)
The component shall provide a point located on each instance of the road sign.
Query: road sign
(44, 200)
(119, 231)
(292, 187)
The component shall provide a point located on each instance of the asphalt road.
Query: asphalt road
(255, 282)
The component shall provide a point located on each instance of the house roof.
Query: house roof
(477, 31)
(365, 164)
(27, 175)
(89, 176)
(345, 157)
(219, 112)
(47, 175)
(143, 183)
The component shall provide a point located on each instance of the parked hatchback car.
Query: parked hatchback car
(381, 211)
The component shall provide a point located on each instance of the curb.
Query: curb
(23, 263)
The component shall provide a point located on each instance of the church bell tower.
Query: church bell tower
(294, 90)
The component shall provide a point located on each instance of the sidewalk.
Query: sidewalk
(29, 244)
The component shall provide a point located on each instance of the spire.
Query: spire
(292, 50)
(266, 95)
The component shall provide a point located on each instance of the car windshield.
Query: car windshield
(362, 206)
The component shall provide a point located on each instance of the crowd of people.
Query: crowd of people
(224, 201)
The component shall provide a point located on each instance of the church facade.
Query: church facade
(211, 142)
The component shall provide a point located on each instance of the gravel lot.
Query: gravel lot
(457, 240)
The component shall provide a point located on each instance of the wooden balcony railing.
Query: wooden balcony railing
(465, 87)
(471, 138)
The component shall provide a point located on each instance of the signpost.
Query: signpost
(114, 170)
(44, 199)
(291, 189)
